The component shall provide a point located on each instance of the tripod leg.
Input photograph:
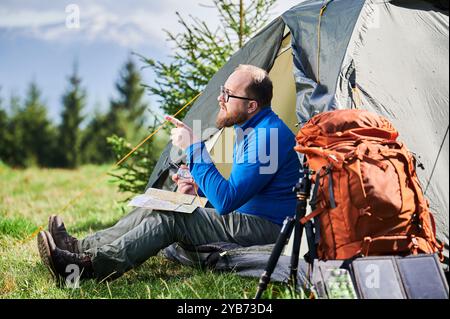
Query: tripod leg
(310, 235)
(298, 233)
(300, 212)
(284, 235)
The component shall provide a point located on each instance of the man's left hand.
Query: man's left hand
(181, 136)
(185, 186)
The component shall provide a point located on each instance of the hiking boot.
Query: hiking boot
(60, 235)
(57, 259)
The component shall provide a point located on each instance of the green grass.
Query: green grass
(28, 197)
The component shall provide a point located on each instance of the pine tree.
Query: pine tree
(12, 150)
(200, 52)
(34, 134)
(94, 146)
(132, 174)
(69, 130)
(4, 134)
(127, 110)
(124, 119)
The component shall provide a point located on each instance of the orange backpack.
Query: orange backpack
(367, 198)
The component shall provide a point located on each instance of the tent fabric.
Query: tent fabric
(407, 81)
(261, 51)
(284, 88)
(393, 53)
(389, 57)
(315, 95)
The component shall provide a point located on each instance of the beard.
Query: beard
(226, 119)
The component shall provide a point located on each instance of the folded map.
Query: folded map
(168, 201)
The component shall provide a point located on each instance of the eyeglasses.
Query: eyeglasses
(226, 96)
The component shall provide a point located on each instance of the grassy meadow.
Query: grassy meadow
(28, 197)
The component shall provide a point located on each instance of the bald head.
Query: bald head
(246, 91)
(257, 83)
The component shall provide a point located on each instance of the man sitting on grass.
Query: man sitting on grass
(249, 207)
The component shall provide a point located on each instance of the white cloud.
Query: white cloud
(128, 24)
(28, 18)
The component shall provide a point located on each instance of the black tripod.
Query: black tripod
(303, 190)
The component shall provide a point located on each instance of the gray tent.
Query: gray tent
(389, 57)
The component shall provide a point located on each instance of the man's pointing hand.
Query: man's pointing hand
(181, 136)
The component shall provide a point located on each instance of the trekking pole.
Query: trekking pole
(284, 235)
(302, 189)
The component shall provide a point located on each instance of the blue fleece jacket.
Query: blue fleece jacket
(265, 169)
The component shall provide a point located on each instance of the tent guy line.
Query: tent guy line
(81, 194)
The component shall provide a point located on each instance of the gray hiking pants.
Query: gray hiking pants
(143, 233)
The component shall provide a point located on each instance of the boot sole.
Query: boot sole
(45, 253)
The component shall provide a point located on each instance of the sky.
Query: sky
(41, 40)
